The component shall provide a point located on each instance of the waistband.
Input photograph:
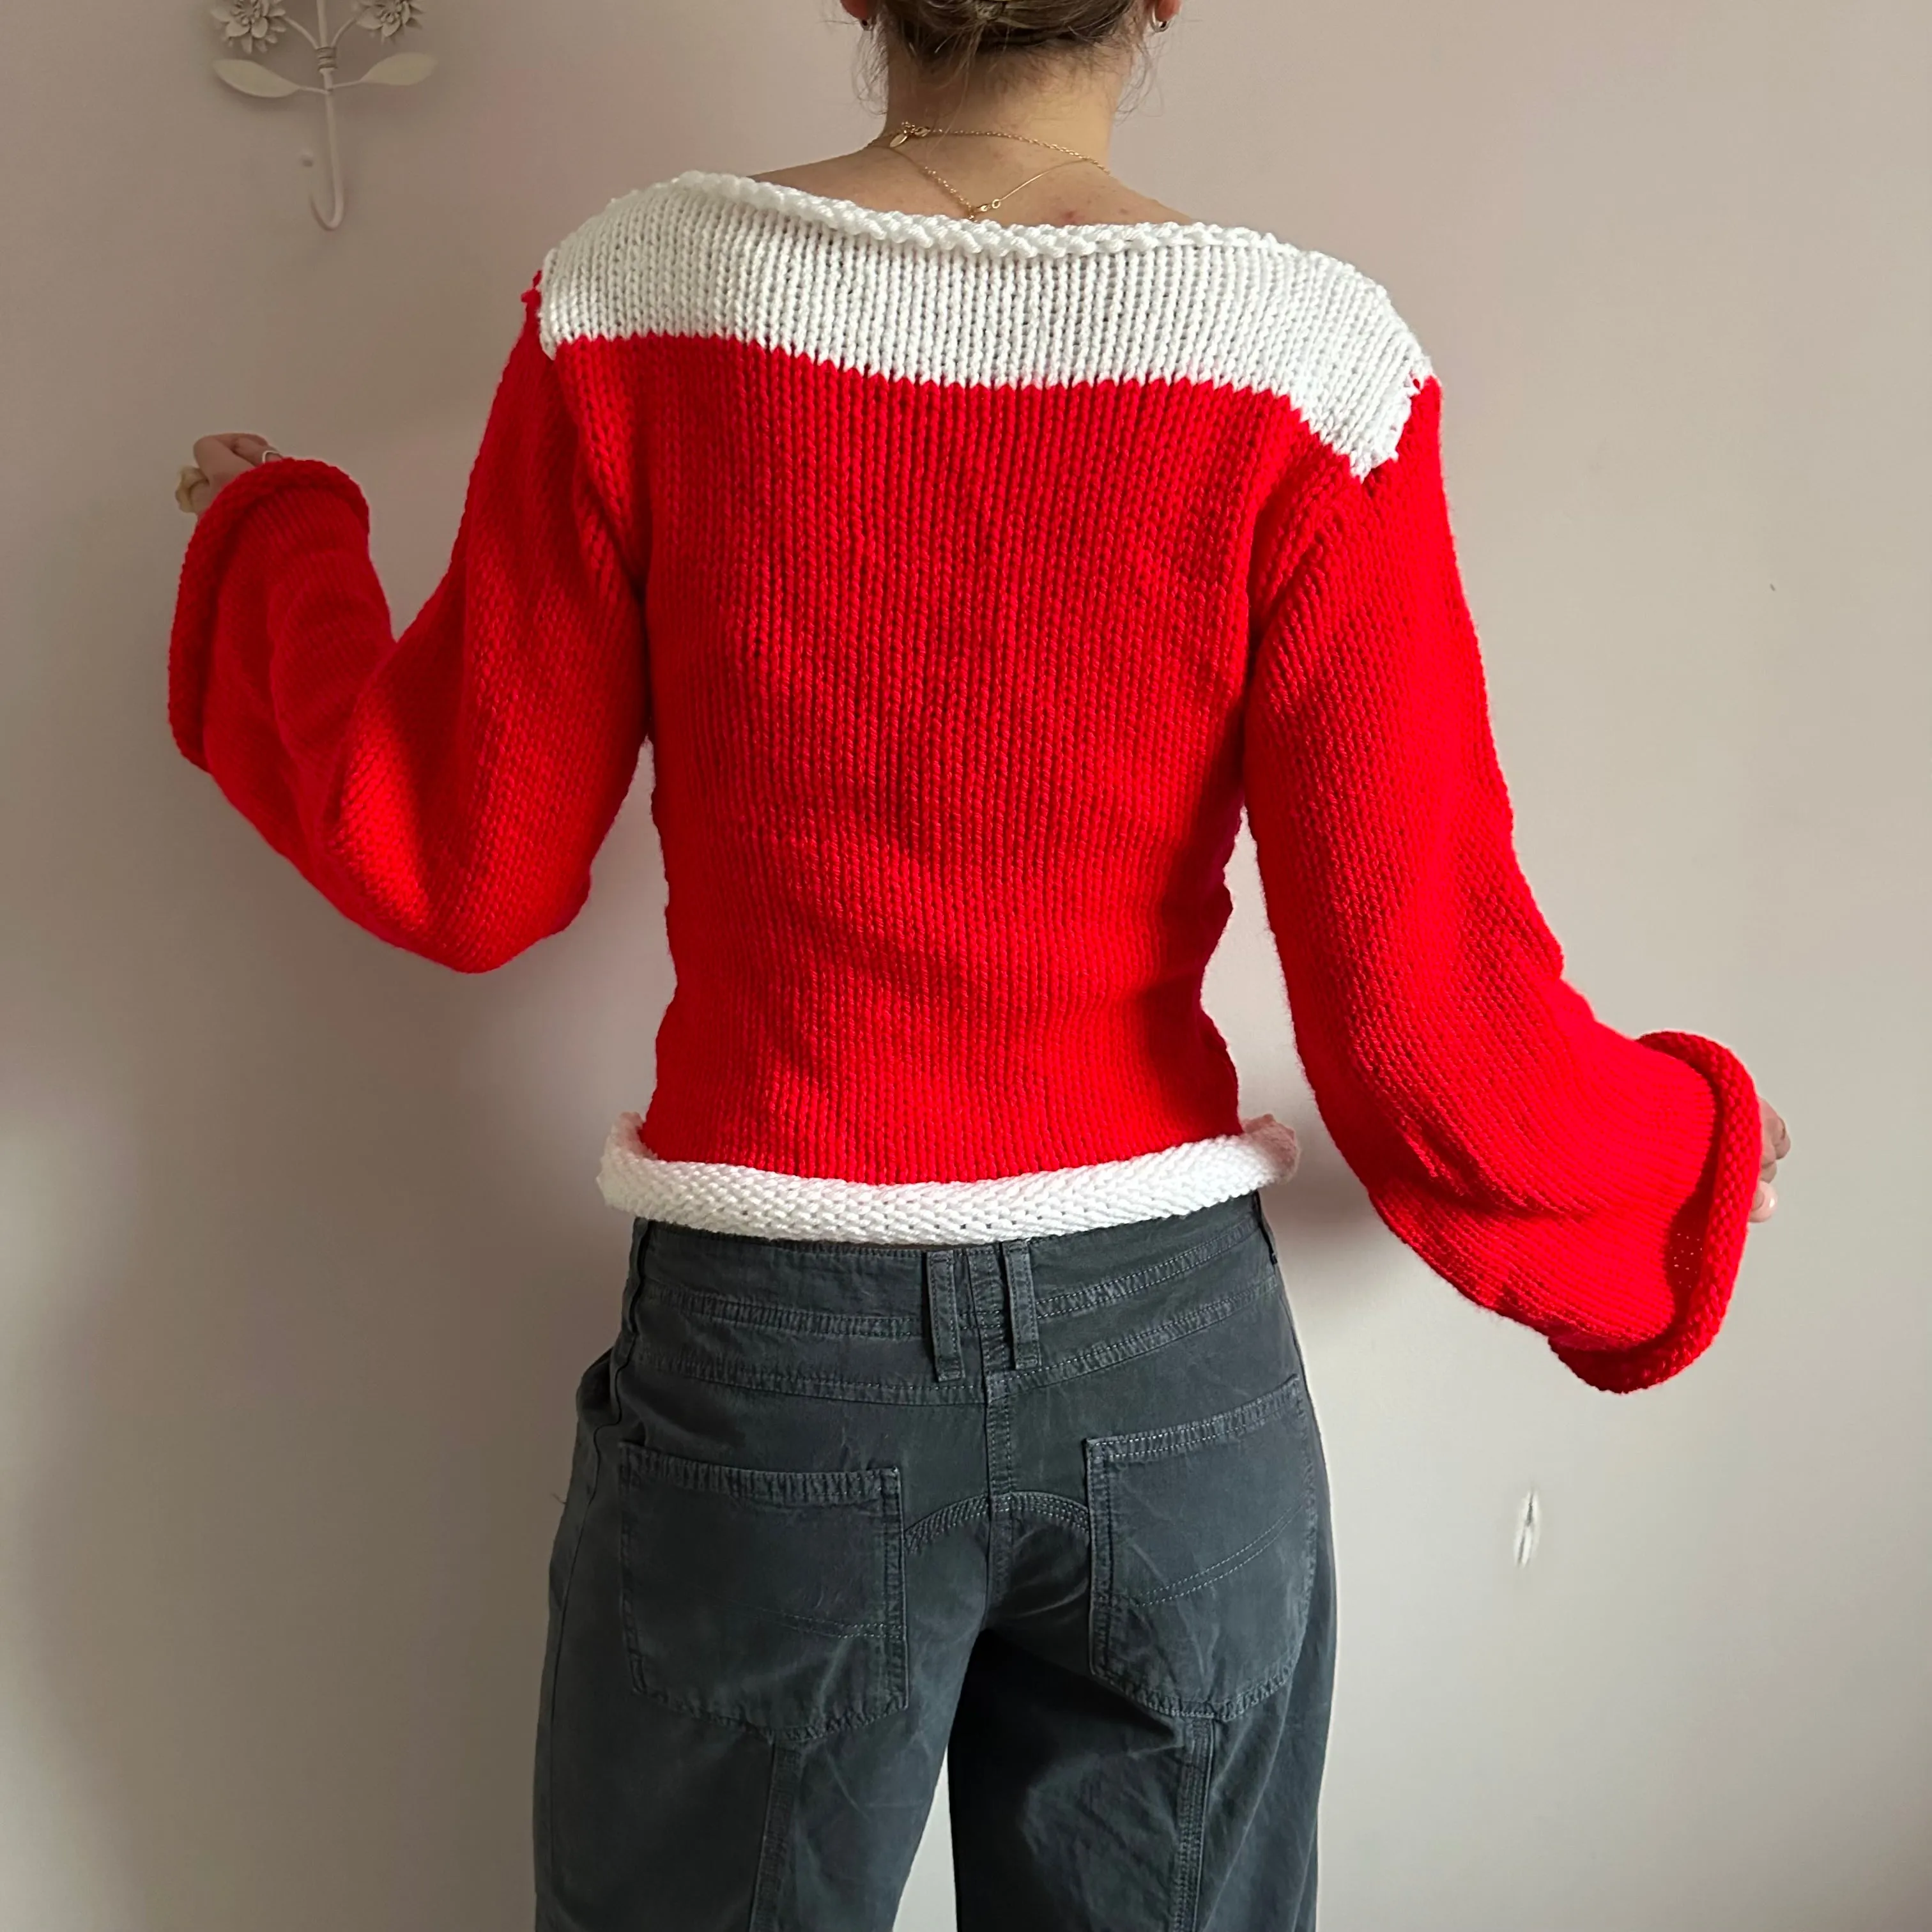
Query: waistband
(953, 1299)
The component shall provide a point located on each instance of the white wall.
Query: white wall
(302, 1252)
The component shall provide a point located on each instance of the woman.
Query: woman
(971, 537)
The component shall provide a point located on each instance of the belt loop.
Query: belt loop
(942, 1315)
(1022, 1313)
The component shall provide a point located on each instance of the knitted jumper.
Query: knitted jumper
(967, 581)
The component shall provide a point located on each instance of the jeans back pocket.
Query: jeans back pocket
(768, 1598)
(1206, 1536)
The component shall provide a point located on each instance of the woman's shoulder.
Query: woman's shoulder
(1071, 202)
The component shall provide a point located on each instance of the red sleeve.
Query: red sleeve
(1594, 1186)
(446, 789)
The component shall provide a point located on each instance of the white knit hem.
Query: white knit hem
(730, 1199)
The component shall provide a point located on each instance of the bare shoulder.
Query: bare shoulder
(875, 177)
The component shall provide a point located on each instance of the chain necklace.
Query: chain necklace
(908, 130)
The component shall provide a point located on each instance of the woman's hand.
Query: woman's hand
(1777, 1145)
(219, 460)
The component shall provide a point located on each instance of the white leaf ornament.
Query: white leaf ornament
(401, 70)
(245, 77)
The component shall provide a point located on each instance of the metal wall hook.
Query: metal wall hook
(250, 25)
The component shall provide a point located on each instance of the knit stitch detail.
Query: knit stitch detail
(730, 1199)
(931, 298)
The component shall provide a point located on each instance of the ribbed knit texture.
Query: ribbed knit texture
(966, 582)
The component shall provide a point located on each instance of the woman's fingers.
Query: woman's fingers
(1776, 1144)
(219, 460)
(223, 457)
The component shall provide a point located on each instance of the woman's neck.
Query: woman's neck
(1073, 111)
(1081, 118)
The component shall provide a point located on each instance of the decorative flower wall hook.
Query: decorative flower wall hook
(247, 26)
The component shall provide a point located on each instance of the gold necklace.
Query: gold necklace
(908, 130)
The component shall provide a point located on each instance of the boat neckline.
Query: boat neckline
(978, 236)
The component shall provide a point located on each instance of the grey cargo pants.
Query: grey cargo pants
(1056, 1506)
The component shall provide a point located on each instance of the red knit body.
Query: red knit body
(967, 588)
(966, 797)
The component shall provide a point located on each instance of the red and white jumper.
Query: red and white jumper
(967, 583)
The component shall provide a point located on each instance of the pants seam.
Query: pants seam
(1199, 1749)
(987, 1295)
(551, 1872)
(781, 1796)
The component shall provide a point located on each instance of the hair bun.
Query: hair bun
(936, 31)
